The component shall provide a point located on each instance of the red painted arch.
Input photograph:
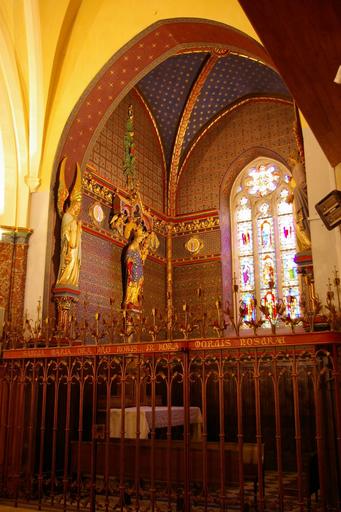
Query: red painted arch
(131, 63)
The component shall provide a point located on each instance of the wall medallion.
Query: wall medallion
(194, 244)
(97, 214)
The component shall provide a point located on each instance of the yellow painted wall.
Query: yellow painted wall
(52, 50)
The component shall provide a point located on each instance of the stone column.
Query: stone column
(13, 264)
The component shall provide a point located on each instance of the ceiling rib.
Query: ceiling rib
(185, 118)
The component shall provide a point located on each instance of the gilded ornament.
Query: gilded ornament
(96, 214)
(91, 186)
(134, 224)
(196, 225)
(194, 245)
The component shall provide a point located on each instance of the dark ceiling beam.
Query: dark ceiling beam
(303, 38)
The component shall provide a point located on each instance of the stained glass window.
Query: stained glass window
(247, 281)
(286, 231)
(265, 234)
(261, 180)
(265, 239)
(245, 237)
(249, 300)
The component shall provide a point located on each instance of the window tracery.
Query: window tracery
(264, 238)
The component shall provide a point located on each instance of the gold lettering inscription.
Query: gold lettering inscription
(264, 341)
(127, 349)
(164, 347)
(213, 344)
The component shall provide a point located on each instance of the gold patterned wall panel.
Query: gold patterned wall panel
(154, 286)
(108, 150)
(189, 278)
(263, 125)
(100, 277)
(210, 245)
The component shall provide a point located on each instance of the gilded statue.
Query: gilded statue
(134, 256)
(142, 241)
(299, 197)
(71, 229)
(118, 222)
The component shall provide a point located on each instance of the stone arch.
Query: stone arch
(126, 67)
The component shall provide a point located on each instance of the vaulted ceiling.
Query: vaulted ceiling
(303, 39)
(187, 92)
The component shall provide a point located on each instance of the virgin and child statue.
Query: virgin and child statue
(140, 243)
(133, 258)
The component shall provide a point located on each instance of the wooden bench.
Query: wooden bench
(177, 471)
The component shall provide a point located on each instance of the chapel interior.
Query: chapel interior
(170, 255)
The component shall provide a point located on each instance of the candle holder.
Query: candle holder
(236, 317)
(188, 325)
(334, 315)
(254, 324)
(272, 308)
(112, 322)
(128, 328)
(338, 289)
(201, 314)
(157, 324)
(98, 328)
(289, 317)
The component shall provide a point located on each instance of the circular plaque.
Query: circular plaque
(194, 244)
(97, 214)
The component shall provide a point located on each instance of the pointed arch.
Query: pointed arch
(225, 211)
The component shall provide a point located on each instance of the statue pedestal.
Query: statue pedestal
(305, 270)
(65, 298)
(304, 262)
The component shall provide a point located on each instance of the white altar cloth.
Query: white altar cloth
(146, 420)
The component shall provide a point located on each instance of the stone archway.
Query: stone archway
(130, 64)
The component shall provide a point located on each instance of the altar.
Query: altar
(161, 420)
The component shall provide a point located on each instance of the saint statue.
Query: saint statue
(71, 229)
(299, 197)
(133, 258)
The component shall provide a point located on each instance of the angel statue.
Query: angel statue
(71, 229)
(299, 197)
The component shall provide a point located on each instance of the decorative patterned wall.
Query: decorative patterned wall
(100, 276)
(101, 280)
(188, 278)
(154, 286)
(13, 264)
(268, 125)
(211, 245)
(107, 153)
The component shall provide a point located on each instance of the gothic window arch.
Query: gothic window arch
(264, 238)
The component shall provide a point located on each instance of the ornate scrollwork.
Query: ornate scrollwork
(196, 225)
(90, 185)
